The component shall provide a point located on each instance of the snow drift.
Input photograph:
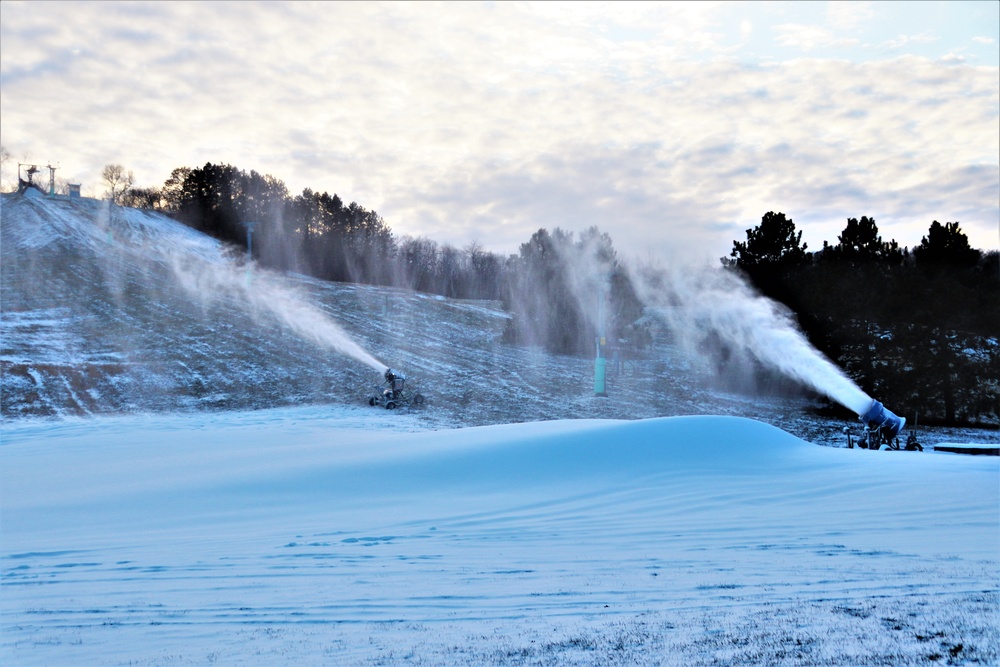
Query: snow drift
(293, 536)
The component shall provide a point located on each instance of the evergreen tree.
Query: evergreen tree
(772, 244)
(861, 243)
(945, 246)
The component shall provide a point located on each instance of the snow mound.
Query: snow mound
(300, 536)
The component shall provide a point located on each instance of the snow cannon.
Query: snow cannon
(392, 392)
(882, 429)
(881, 418)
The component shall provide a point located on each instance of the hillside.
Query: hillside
(229, 497)
(110, 310)
(96, 319)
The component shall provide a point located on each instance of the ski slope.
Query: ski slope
(152, 512)
(109, 310)
(311, 536)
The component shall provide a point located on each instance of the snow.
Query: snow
(160, 519)
(95, 321)
(342, 536)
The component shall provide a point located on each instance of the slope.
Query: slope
(292, 537)
(111, 310)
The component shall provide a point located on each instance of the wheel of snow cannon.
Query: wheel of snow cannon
(391, 405)
(418, 399)
(372, 401)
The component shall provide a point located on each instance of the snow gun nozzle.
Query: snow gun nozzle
(878, 416)
(392, 375)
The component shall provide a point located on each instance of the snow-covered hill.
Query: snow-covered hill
(103, 312)
(108, 310)
(312, 536)
(214, 490)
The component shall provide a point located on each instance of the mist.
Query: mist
(211, 274)
(714, 314)
(265, 295)
(570, 291)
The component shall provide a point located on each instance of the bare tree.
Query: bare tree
(4, 159)
(118, 181)
(147, 198)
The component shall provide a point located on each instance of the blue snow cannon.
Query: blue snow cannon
(885, 421)
(881, 430)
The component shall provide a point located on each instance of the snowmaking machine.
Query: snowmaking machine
(881, 429)
(393, 392)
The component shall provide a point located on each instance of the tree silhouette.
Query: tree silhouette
(860, 242)
(147, 198)
(945, 246)
(772, 243)
(117, 180)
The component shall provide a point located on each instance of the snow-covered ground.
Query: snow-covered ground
(96, 319)
(299, 536)
(152, 514)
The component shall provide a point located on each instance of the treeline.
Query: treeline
(918, 329)
(548, 286)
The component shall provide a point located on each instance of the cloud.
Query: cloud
(902, 41)
(952, 58)
(809, 37)
(843, 15)
(485, 122)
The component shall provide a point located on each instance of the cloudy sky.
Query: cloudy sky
(674, 127)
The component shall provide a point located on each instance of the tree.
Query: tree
(945, 246)
(417, 259)
(117, 180)
(208, 201)
(173, 189)
(772, 243)
(772, 257)
(860, 243)
(147, 198)
(4, 159)
(448, 273)
(487, 271)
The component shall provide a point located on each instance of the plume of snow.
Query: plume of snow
(695, 302)
(265, 294)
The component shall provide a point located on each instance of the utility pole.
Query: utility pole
(52, 180)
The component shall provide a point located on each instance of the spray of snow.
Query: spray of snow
(208, 273)
(696, 303)
(717, 320)
(205, 270)
(587, 266)
(264, 294)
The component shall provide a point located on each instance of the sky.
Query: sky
(674, 127)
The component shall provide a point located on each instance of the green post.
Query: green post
(600, 363)
(600, 370)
